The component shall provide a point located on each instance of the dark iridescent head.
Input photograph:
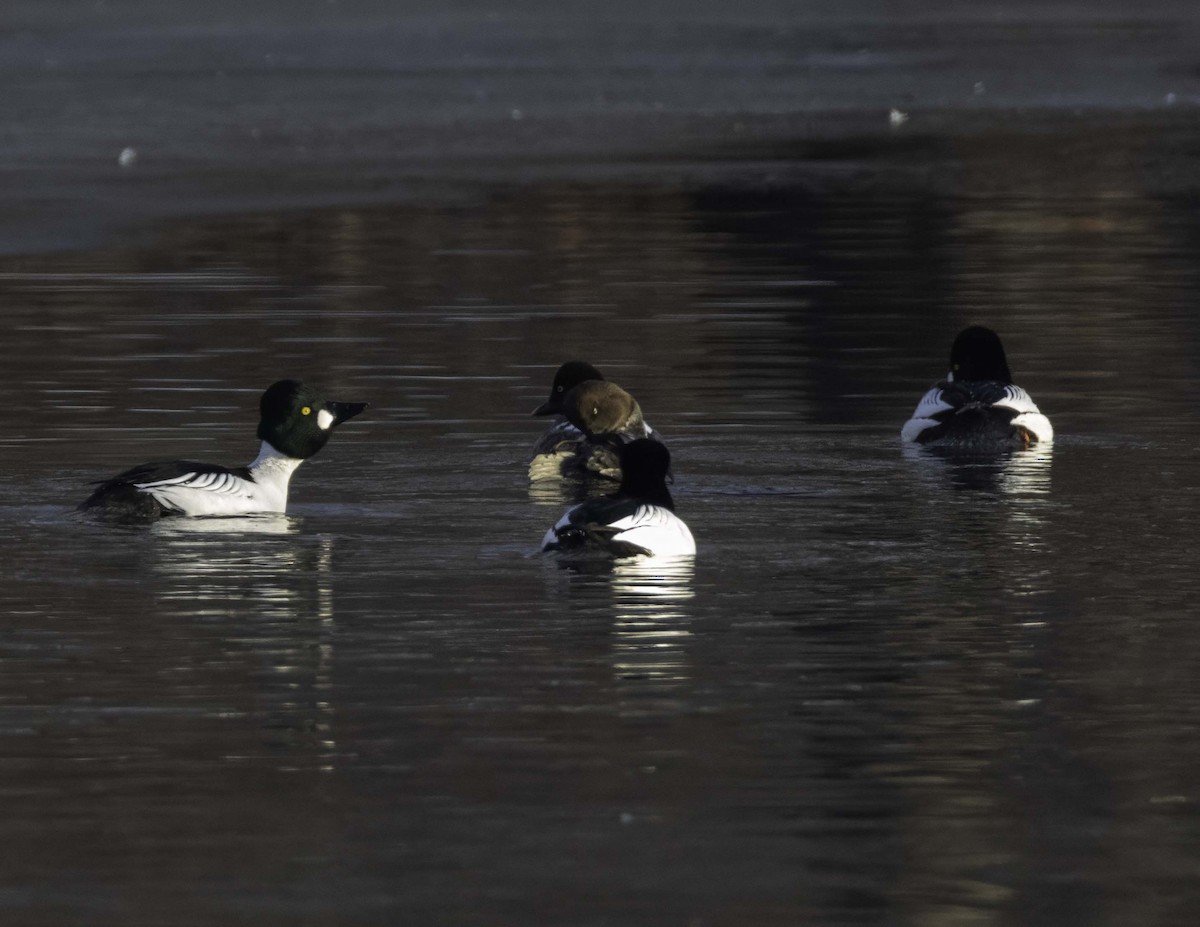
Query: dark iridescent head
(297, 419)
(568, 376)
(978, 355)
(645, 464)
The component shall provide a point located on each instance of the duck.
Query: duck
(978, 406)
(638, 521)
(296, 421)
(595, 415)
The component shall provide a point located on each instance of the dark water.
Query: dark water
(894, 689)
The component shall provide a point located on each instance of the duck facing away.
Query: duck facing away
(296, 422)
(596, 416)
(639, 520)
(978, 406)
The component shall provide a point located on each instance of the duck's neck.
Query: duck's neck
(654, 492)
(273, 469)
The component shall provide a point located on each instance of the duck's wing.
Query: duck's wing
(656, 530)
(928, 412)
(595, 525)
(1015, 398)
(180, 473)
(171, 482)
(1028, 416)
(564, 451)
(561, 436)
(977, 411)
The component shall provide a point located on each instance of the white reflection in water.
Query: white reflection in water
(240, 526)
(1019, 482)
(1026, 484)
(1024, 472)
(224, 559)
(267, 590)
(652, 625)
(556, 494)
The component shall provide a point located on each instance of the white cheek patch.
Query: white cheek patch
(324, 420)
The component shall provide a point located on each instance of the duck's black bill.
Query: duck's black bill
(546, 408)
(342, 411)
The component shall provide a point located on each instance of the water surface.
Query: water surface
(893, 688)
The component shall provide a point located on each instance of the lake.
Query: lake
(894, 688)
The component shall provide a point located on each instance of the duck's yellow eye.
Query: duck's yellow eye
(307, 410)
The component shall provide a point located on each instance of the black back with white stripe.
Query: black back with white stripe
(977, 406)
(121, 496)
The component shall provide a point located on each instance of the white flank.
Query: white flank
(1037, 425)
(1029, 416)
(658, 530)
(914, 426)
(225, 494)
(652, 527)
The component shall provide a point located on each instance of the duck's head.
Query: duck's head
(977, 354)
(645, 465)
(297, 419)
(568, 376)
(599, 407)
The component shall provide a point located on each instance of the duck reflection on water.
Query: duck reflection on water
(651, 610)
(262, 591)
(652, 623)
(1004, 472)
